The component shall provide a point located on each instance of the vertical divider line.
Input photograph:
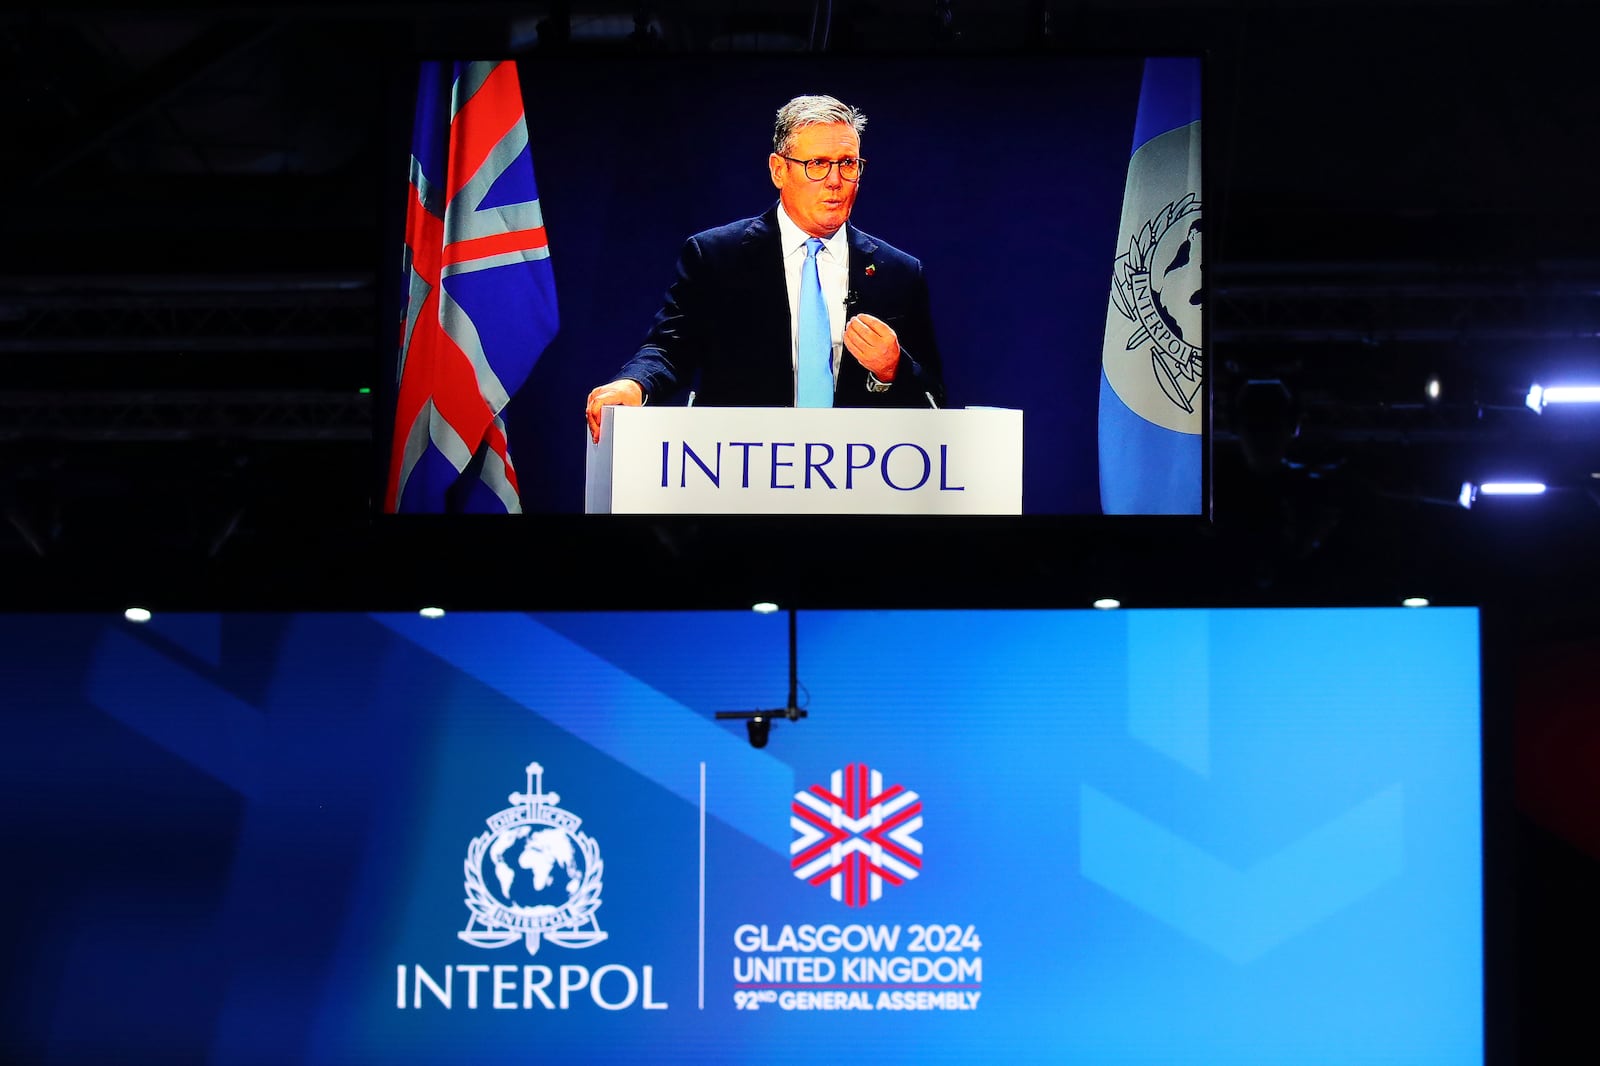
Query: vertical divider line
(702, 886)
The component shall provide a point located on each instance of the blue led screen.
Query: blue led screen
(1054, 837)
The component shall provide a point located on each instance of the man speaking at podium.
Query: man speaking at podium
(793, 308)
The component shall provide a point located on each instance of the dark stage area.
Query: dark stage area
(199, 304)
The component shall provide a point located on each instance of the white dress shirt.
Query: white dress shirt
(833, 271)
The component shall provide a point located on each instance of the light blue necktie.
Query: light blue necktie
(815, 338)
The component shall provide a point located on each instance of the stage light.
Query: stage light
(1572, 394)
(1107, 604)
(432, 612)
(758, 724)
(1470, 492)
(136, 614)
(1414, 601)
(764, 607)
(1540, 397)
(1433, 388)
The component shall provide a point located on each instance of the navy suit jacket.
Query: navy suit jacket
(723, 329)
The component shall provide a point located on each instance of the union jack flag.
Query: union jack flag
(855, 835)
(481, 296)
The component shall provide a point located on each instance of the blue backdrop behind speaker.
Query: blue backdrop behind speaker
(1004, 175)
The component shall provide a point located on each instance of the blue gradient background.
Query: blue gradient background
(226, 831)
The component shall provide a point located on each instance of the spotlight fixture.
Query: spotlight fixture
(1470, 492)
(1107, 604)
(758, 724)
(432, 612)
(137, 614)
(1540, 397)
(764, 607)
(1414, 601)
(1433, 388)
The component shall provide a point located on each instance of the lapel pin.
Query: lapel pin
(871, 269)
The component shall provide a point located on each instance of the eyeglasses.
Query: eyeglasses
(817, 169)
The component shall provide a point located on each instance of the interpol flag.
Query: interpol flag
(481, 297)
(1151, 372)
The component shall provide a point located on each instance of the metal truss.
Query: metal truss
(1415, 303)
(134, 314)
(176, 415)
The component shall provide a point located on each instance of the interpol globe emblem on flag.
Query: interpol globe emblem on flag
(855, 836)
(1157, 288)
(1152, 395)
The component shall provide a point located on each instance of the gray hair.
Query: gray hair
(812, 111)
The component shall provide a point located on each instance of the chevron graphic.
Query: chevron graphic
(1242, 914)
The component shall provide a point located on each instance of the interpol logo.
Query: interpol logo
(1157, 286)
(855, 835)
(533, 875)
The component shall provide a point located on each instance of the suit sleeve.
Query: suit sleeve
(670, 354)
(920, 373)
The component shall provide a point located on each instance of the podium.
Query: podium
(782, 460)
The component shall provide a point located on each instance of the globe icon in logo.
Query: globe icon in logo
(533, 870)
(534, 876)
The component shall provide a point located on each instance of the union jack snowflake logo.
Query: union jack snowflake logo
(855, 835)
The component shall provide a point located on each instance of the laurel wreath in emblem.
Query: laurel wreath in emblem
(495, 924)
(1175, 362)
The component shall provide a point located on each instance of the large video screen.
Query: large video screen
(1032, 837)
(1052, 206)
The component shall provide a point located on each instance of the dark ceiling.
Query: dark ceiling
(189, 308)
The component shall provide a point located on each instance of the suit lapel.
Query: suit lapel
(862, 272)
(762, 247)
(763, 258)
(861, 296)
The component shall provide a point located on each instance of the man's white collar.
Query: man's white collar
(794, 237)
